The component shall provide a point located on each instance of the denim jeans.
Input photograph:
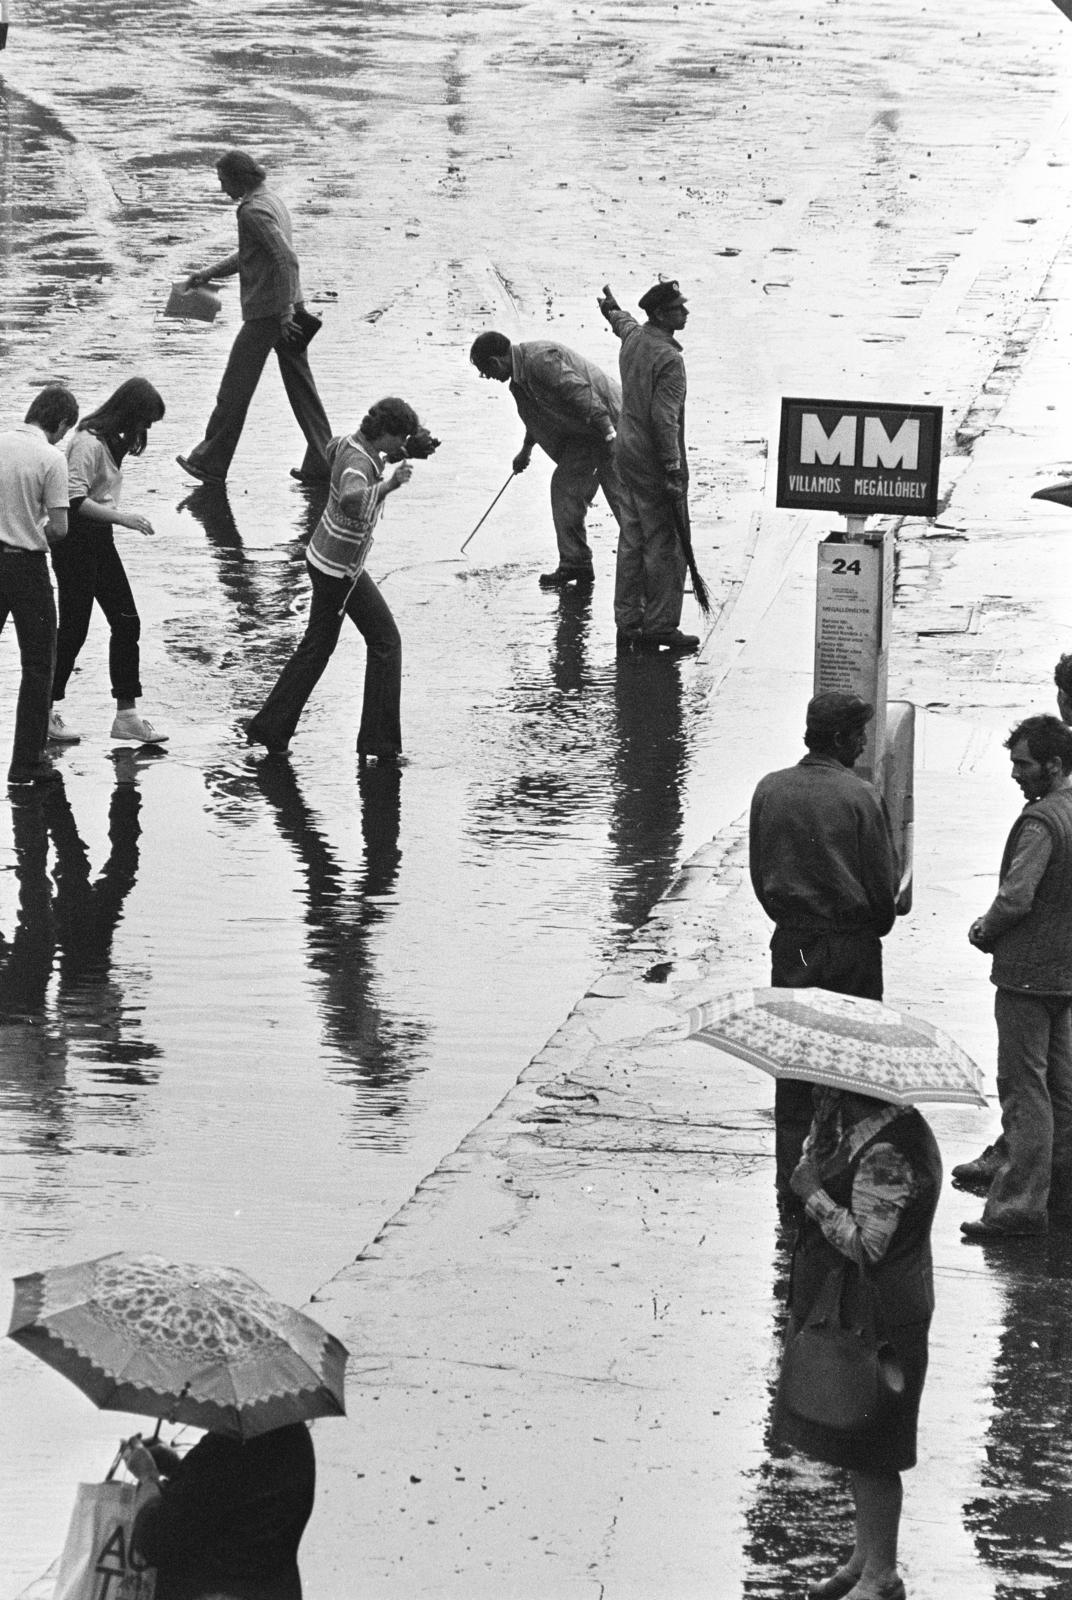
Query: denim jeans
(649, 582)
(89, 568)
(580, 469)
(26, 596)
(1035, 1090)
(253, 344)
(380, 733)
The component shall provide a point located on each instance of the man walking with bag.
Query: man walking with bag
(273, 314)
(1028, 930)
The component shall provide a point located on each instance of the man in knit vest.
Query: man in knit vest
(1028, 930)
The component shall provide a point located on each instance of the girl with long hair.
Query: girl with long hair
(88, 565)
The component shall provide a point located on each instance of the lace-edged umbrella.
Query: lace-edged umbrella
(186, 1343)
(862, 1046)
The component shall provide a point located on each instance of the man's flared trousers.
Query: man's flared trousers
(380, 733)
(253, 345)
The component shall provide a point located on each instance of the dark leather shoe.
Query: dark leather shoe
(274, 747)
(197, 472)
(673, 639)
(562, 576)
(312, 479)
(982, 1232)
(976, 1176)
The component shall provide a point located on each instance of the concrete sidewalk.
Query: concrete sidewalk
(564, 1345)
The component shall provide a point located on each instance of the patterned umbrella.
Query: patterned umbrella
(203, 1345)
(839, 1041)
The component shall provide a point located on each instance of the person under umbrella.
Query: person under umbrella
(206, 1346)
(226, 1521)
(869, 1179)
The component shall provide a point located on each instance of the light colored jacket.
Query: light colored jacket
(651, 432)
(561, 397)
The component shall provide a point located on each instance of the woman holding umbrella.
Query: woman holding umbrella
(869, 1179)
(203, 1345)
(227, 1520)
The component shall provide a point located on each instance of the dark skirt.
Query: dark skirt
(889, 1445)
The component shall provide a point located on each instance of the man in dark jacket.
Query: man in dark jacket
(650, 456)
(570, 409)
(1028, 930)
(824, 869)
(271, 292)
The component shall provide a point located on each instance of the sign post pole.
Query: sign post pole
(853, 606)
(863, 460)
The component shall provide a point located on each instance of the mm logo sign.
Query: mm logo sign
(862, 460)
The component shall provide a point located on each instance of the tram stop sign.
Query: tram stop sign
(859, 459)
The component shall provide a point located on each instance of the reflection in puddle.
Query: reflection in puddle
(377, 1050)
(1020, 1518)
(51, 258)
(595, 754)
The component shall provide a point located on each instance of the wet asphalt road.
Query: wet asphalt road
(247, 1006)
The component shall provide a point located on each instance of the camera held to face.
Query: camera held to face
(420, 445)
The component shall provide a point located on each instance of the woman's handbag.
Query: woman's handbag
(837, 1371)
(98, 1558)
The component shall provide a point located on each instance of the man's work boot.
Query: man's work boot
(566, 575)
(976, 1176)
(678, 643)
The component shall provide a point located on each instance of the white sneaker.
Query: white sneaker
(131, 725)
(59, 732)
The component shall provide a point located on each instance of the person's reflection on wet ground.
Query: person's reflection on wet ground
(26, 959)
(1020, 1517)
(88, 911)
(259, 593)
(33, 1051)
(378, 1047)
(555, 720)
(796, 1517)
(65, 927)
(650, 754)
(569, 659)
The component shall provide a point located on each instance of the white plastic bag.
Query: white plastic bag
(98, 1561)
